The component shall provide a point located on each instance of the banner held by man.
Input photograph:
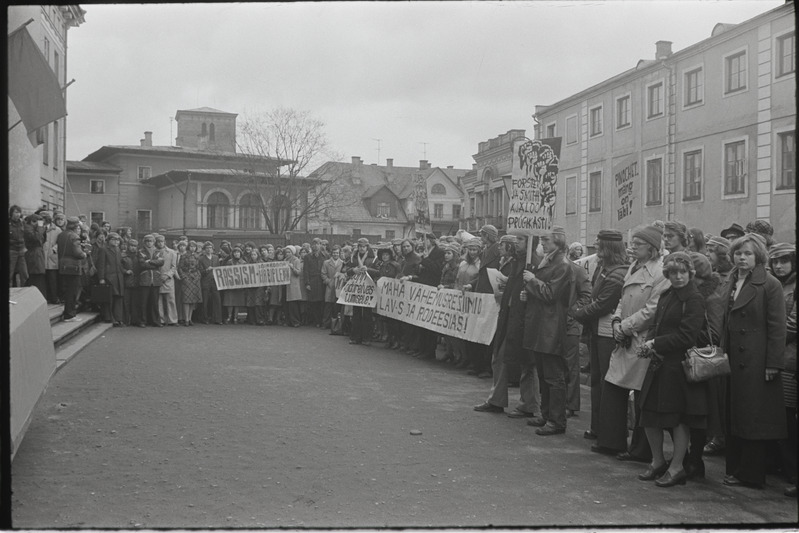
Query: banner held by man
(534, 179)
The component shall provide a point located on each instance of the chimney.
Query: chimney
(663, 50)
(450, 167)
(423, 164)
(390, 163)
(148, 139)
(356, 160)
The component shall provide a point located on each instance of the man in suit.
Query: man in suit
(167, 305)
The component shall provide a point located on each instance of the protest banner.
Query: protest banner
(251, 275)
(466, 315)
(359, 291)
(627, 186)
(421, 219)
(534, 179)
(589, 263)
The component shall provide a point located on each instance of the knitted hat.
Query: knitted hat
(733, 232)
(509, 239)
(474, 242)
(760, 226)
(236, 249)
(490, 230)
(679, 257)
(718, 241)
(133, 242)
(781, 249)
(610, 235)
(363, 240)
(558, 230)
(702, 265)
(650, 235)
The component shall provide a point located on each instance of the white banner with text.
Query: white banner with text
(251, 275)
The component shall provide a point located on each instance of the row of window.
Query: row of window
(43, 135)
(735, 175)
(250, 209)
(144, 219)
(735, 80)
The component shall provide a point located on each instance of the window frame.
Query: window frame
(251, 211)
(648, 99)
(747, 175)
(92, 218)
(683, 154)
(576, 129)
(150, 217)
(629, 124)
(442, 189)
(438, 211)
(554, 126)
(230, 206)
(778, 133)
(646, 180)
(456, 215)
(687, 72)
(591, 208)
(591, 133)
(741, 51)
(391, 234)
(91, 186)
(776, 47)
(567, 180)
(139, 169)
(380, 207)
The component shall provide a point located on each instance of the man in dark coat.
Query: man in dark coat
(548, 290)
(429, 274)
(150, 261)
(70, 255)
(312, 277)
(411, 264)
(580, 297)
(131, 270)
(479, 353)
(111, 272)
(212, 303)
(361, 262)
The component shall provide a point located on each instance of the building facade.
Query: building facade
(705, 136)
(379, 199)
(487, 185)
(36, 173)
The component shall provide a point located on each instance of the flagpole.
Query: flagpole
(23, 25)
(15, 124)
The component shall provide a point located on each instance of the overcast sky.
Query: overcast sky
(448, 74)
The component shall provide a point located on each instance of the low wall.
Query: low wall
(33, 360)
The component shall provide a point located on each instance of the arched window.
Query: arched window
(204, 131)
(488, 175)
(249, 210)
(217, 211)
(438, 189)
(211, 132)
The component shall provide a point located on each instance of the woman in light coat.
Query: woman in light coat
(294, 288)
(634, 316)
(331, 267)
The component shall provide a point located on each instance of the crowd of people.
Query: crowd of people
(635, 306)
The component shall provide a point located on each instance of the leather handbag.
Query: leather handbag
(701, 364)
(337, 325)
(101, 294)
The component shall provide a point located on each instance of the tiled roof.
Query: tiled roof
(91, 166)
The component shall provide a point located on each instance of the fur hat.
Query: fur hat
(474, 242)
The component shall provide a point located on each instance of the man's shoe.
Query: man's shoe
(486, 407)
(625, 456)
(732, 481)
(517, 413)
(549, 430)
(590, 435)
(537, 422)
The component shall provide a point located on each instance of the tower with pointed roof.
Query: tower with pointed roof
(206, 128)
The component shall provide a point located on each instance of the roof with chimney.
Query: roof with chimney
(204, 111)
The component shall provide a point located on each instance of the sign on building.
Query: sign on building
(627, 195)
(421, 212)
(534, 180)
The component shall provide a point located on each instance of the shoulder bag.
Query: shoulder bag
(701, 364)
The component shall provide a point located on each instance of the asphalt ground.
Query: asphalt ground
(253, 427)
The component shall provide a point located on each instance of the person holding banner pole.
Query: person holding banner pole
(548, 291)
(362, 262)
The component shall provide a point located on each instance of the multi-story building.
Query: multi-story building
(201, 187)
(380, 199)
(705, 135)
(487, 185)
(36, 172)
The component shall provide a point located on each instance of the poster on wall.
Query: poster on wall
(626, 195)
(421, 213)
(534, 180)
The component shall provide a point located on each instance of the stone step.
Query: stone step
(68, 349)
(55, 311)
(64, 331)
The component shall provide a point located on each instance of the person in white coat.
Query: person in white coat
(167, 305)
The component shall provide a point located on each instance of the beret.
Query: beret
(609, 235)
(781, 249)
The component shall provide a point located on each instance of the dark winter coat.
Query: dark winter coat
(754, 339)
(449, 274)
(547, 305)
(16, 235)
(130, 262)
(368, 262)
(579, 297)
(430, 268)
(312, 276)
(411, 264)
(34, 243)
(488, 259)
(390, 269)
(150, 262)
(510, 321)
(605, 296)
(109, 268)
(679, 317)
(70, 253)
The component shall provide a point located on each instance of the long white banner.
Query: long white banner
(251, 275)
(466, 315)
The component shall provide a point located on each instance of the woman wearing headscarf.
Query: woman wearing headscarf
(294, 288)
(390, 268)
(782, 257)
(190, 279)
(754, 339)
(664, 395)
(233, 299)
(330, 268)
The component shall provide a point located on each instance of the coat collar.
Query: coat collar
(757, 276)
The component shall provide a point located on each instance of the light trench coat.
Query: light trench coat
(636, 310)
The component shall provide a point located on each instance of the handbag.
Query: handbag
(337, 325)
(101, 294)
(701, 364)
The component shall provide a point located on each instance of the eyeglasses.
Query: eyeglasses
(636, 244)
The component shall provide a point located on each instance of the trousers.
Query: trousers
(552, 378)
(600, 349)
(572, 345)
(167, 308)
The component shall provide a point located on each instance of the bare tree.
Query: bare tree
(284, 145)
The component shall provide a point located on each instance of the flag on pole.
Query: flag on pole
(32, 84)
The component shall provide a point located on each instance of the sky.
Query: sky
(429, 79)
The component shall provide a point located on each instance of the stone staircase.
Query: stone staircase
(71, 337)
